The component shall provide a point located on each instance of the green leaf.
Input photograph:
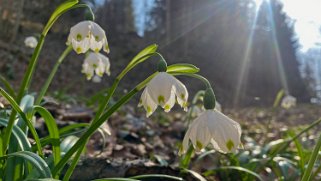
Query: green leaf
(53, 131)
(15, 106)
(61, 9)
(241, 169)
(182, 69)
(21, 137)
(163, 176)
(143, 55)
(26, 105)
(116, 179)
(196, 175)
(42, 179)
(37, 162)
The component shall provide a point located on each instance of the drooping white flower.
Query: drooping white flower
(31, 42)
(162, 90)
(87, 35)
(288, 102)
(96, 79)
(96, 63)
(213, 127)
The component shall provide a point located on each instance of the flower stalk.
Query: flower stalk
(52, 74)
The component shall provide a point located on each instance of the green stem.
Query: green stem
(105, 102)
(313, 158)
(184, 163)
(95, 125)
(203, 79)
(52, 74)
(23, 88)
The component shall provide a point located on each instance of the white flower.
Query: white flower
(96, 79)
(96, 62)
(213, 127)
(162, 90)
(31, 42)
(288, 102)
(87, 35)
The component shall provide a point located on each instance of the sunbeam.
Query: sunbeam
(244, 69)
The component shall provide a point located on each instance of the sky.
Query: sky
(307, 14)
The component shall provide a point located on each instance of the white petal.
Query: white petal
(106, 63)
(181, 93)
(88, 70)
(95, 45)
(100, 69)
(184, 146)
(80, 46)
(81, 30)
(106, 46)
(147, 102)
(225, 132)
(160, 88)
(170, 103)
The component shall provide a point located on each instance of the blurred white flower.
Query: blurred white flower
(96, 79)
(213, 127)
(162, 90)
(288, 102)
(87, 35)
(96, 63)
(31, 42)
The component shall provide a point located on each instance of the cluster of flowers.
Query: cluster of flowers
(85, 36)
(211, 126)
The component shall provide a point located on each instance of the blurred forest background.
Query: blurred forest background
(248, 53)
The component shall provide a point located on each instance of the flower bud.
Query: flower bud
(162, 66)
(209, 99)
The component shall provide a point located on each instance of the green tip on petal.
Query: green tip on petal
(161, 99)
(167, 107)
(230, 145)
(199, 145)
(79, 50)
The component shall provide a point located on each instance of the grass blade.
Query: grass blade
(53, 131)
(37, 162)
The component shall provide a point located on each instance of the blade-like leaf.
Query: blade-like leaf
(162, 176)
(62, 8)
(182, 68)
(15, 106)
(196, 175)
(53, 130)
(116, 179)
(241, 169)
(143, 55)
(26, 105)
(37, 162)
(21, 137)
